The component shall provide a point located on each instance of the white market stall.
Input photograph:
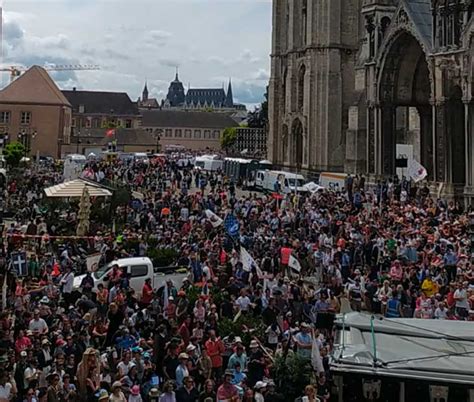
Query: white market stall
(75, 189)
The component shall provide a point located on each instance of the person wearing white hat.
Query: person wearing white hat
(182, 369)
(259, 388)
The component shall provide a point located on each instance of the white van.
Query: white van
(140, 269)
(208, 163)
(288, 182)
(333, 181)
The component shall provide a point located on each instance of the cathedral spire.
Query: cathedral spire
(177, 74)
(229, 99)
(145, 92)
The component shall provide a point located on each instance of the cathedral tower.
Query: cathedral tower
(314, 50)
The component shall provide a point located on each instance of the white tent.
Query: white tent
(75, 188)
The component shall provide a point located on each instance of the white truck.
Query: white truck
(208, 163)
(333, 181)
(140, 269)
(288, 182)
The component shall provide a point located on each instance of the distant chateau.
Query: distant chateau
(215, 99)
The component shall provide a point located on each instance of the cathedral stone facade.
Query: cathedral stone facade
(358, 84)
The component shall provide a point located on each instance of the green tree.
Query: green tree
(13, 153)
(292, 373)
(259, 117)
(229, 136)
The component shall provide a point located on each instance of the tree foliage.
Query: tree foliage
(292, 373)
(259, 117)
(13, 153)
(229, 136)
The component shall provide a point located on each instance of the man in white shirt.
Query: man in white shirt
(460, 296)
(441, 312)
(243, 302)
(37, 325)
(67, 282)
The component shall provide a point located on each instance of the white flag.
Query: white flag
(316, 360)
(213, 218)
(294, 263)
(93, 262)
(247, 262)
(417, 171)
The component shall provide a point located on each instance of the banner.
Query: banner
(248, 262)
(93, 262)
(232, 225)
(293, 263)
(215, 220)
(19, 263)
(416, 171)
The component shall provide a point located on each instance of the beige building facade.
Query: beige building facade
(192, 130)
(356, 81)
(34, 112)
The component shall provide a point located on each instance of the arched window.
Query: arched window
(283, 91)
(301, 77)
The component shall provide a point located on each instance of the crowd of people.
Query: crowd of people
(392, 250)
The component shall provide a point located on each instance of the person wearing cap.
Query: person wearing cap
(256, 363)
(44, 355)
(238, 357)
(304, 340)
(259, 388)
(182, 369)
(227, 391)
(117, 393)
(102, 395)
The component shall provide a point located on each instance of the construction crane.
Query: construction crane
(16, 71)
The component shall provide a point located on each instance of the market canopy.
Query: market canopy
(75, 188)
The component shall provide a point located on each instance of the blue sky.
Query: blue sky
(134, 40)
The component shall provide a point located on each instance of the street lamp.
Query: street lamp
(78, 141)
(158, 133)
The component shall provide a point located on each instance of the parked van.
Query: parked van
(208, 163)
(140, 269)
(266, 180)
(333, 181)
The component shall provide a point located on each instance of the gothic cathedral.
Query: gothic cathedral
(360, 85)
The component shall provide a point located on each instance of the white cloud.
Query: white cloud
(207, 39)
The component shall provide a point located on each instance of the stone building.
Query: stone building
(33, 111)
(145, 102)
(98, 109)
(124, 140)
(216, 99)
(191, 129)
(355, 82)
